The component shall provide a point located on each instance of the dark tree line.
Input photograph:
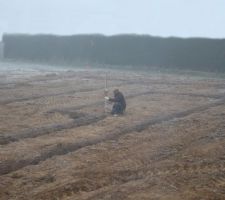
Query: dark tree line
(134, 50)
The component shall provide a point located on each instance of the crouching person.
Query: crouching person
(119, 105)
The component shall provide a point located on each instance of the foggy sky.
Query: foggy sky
(184, 18)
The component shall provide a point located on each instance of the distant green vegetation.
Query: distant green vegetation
(140, 51)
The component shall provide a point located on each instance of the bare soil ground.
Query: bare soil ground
(56, 142)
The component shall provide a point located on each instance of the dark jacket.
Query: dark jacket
(119, 98)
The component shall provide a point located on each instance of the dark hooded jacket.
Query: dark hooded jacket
(119, 98)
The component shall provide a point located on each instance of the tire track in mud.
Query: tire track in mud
(8, 101)
(62, 149)
(193, 169)
(122, 79)
(88, 184)
(5, 102)
(97, 103)
(27, 82)
(36, 132)
(71, 111)
(145, 173)
(124, 82)
(15, 100)
(48, 77)
(96, 180)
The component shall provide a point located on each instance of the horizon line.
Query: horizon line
(112, 35)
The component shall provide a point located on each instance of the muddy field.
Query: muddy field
(57, 143)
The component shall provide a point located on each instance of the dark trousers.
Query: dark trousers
(117, 109)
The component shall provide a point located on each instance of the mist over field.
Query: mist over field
(112, 100)
(136, 51)
(138, 34)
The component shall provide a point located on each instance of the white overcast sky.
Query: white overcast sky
(184, 18)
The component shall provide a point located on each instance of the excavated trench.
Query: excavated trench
(62, 149)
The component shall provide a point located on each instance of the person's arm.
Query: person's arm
(112, 99)
(117, 98)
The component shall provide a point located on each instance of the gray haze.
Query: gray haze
(184, 18)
